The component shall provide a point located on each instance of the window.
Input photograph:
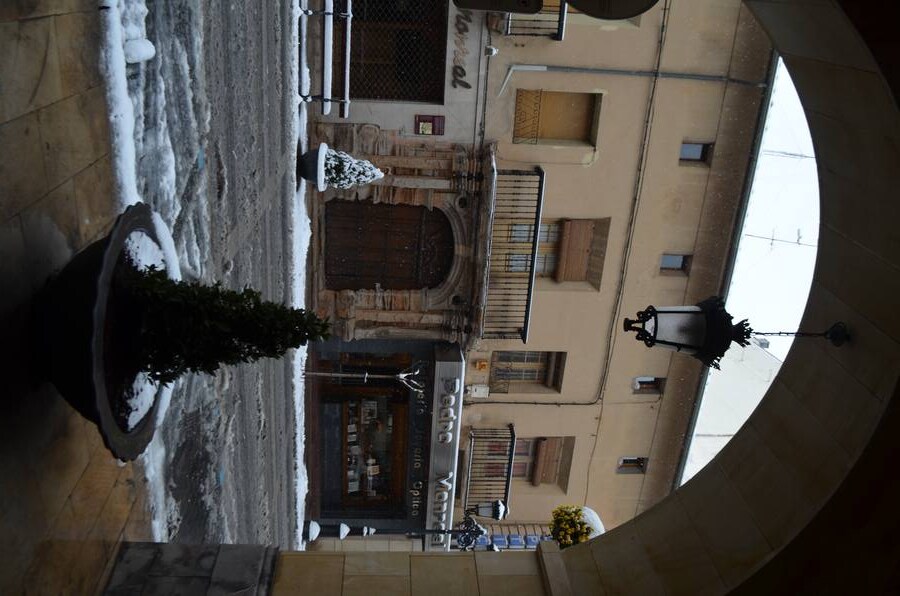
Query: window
(568, 250)
(523, 460)
(544, 460)
(671, 263)
(523, 233)
(526, 372)
(544, 265)
(632, 465)
(651, 385)
(700, 153)
(556, 117)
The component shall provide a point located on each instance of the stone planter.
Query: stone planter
(87, 335)
(311, 166)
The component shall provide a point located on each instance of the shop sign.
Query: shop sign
(445, 426)
(460, 51)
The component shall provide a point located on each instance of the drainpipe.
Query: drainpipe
(688, 76)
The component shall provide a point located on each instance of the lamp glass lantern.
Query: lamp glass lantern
(705, 330)
(495, 510)
(679, 328)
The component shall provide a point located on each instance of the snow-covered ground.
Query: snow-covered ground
(160, 123)
(300, 237)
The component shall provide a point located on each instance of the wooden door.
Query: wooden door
(399, 247)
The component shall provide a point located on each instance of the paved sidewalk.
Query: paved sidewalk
(66, 503)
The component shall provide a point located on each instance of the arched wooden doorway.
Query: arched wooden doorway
(398, 247)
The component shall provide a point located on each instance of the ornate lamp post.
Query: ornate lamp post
(705, 331)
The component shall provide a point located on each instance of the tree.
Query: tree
(195, 327)
(342, 170)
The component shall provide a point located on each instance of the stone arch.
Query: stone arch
(441, 296)
(803, 498)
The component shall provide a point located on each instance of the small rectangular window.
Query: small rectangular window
(674, 263)
(695, 152)
(632, 465)
(651, 385)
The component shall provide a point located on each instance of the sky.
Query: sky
(772, 273)
(777, 247)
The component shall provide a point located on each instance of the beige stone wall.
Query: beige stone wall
(379, 543)
(798, 500)
(67, 503)
(414, 574)
(688, 209)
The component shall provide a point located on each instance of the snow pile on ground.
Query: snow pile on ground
(121, 112)
(300, 236)
(122, 23)
(159, 119)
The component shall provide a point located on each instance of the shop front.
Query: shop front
(383, 444)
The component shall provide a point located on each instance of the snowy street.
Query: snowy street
(215, 151)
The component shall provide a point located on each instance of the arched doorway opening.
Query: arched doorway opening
(394, 247)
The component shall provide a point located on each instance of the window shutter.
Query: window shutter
(576, 237)
(546, 460)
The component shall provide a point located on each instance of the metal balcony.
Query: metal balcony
(549, 22)
(489, 466)
(513, 262)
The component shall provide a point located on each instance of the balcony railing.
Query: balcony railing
(550, 22)
(513, 266)
(489, 469)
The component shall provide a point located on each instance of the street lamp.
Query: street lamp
(470, 530)
(705, 331)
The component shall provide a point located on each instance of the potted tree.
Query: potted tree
(329, 167)
(572, 525)
(115, 329)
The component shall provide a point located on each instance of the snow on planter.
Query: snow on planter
(342, 170)
(143, 252)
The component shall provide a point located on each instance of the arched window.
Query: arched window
(399, 247)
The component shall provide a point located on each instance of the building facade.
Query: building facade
(572, 172)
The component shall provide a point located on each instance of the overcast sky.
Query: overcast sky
(777, 253)
(773, 271)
